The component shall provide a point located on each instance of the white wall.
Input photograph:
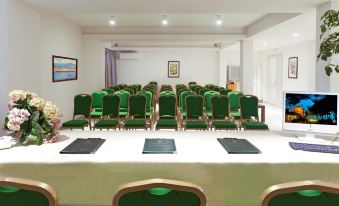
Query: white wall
(227, 58)
(34, 36)
(200, 65)
(3, 59)
(306, 67)
(60, 37)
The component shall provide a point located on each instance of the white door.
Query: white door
(274, 79)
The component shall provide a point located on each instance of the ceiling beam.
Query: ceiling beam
(267, 22)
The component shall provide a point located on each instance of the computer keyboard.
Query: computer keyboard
(315, 147)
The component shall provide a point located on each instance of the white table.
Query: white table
(227, 179)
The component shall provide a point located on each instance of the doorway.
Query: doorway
(274, 89)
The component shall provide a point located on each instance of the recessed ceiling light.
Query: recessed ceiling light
(112, 21)
(164, 20)
(219, 20)
(296, 34)
(265, 44)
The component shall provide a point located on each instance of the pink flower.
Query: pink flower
(57, 124)
(10, 104)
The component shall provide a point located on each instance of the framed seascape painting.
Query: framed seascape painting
(293, 67)
(173, 69)
(64, 68)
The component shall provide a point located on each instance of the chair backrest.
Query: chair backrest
(203, 91)
(137, 106)
(19, 192)
(167, 93)
(82, 105)
(182, 99)
(305, 193)
(248, 106)
(131, 90)
(220, 107)
(149, 100)
(97, 98)
(167, 106)
(224, 91)
(194, 106)
(234, 100)
(111, 106)
(124, 95)
(156, 192)
(108, 90)
(207, 98)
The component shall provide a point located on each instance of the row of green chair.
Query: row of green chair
(153, 192)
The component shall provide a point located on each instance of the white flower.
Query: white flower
(37, 102)
(13, 127)
(17, 95)
(30, 93)
(51, 111)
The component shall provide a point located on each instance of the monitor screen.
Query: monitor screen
(310, 111)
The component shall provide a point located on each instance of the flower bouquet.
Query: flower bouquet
(31, 118)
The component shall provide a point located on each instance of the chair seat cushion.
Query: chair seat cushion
(96, 114)
(167, 123)
(254, 125)
(106, 123)
(123, 114)
(183, 114)
(166, 117)
(209, 114)
(224, 125)
(196, 124)
(75, 123)
(135, 123)
(97, 109)
(235, 115)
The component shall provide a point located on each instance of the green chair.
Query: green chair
(110, 113)
(249, 118)
(182, 104)
(82, 109)
(194, 113)
(207, 100)
(20, 192)
(108, 90)
(234, 104)
(97, 104)
(191, 83)
(123, 110)
(167, 118)
(304, 193)
(159, 192)
(203, 91)
(136, 118)
(131, 90)
(220, 113)
(224, 91)
(149, 106)
(122, 86)
(167, 93)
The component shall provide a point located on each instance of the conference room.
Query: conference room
(204, 103)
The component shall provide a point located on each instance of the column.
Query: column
(322, 81)
(246, 66)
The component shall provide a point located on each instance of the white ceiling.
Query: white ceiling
(177, 6)
(189, 17)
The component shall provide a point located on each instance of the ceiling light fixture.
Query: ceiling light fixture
(112, 21)
(219, 20)
(296, 34)
(265, 44)
(164, 20)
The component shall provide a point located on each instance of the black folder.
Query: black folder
(83, 146)
(238, 146)
(159, 146)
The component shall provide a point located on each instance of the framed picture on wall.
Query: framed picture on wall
(173, 69)
(293, 67)
(64, 68)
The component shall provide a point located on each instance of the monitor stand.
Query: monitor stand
(314, 138)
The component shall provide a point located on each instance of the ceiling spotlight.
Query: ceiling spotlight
(296, 34)
(218, 21)
(112, 21)
(164, 20)
(265, 44)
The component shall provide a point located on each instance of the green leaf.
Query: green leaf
(337, 68)
(328, 70)
(39, 140)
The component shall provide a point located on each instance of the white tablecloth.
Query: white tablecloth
(227, 179)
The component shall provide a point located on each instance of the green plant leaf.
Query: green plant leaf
(337, 68)
(328, 70)
(39, 140)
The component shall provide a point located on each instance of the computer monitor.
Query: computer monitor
(310, 113)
